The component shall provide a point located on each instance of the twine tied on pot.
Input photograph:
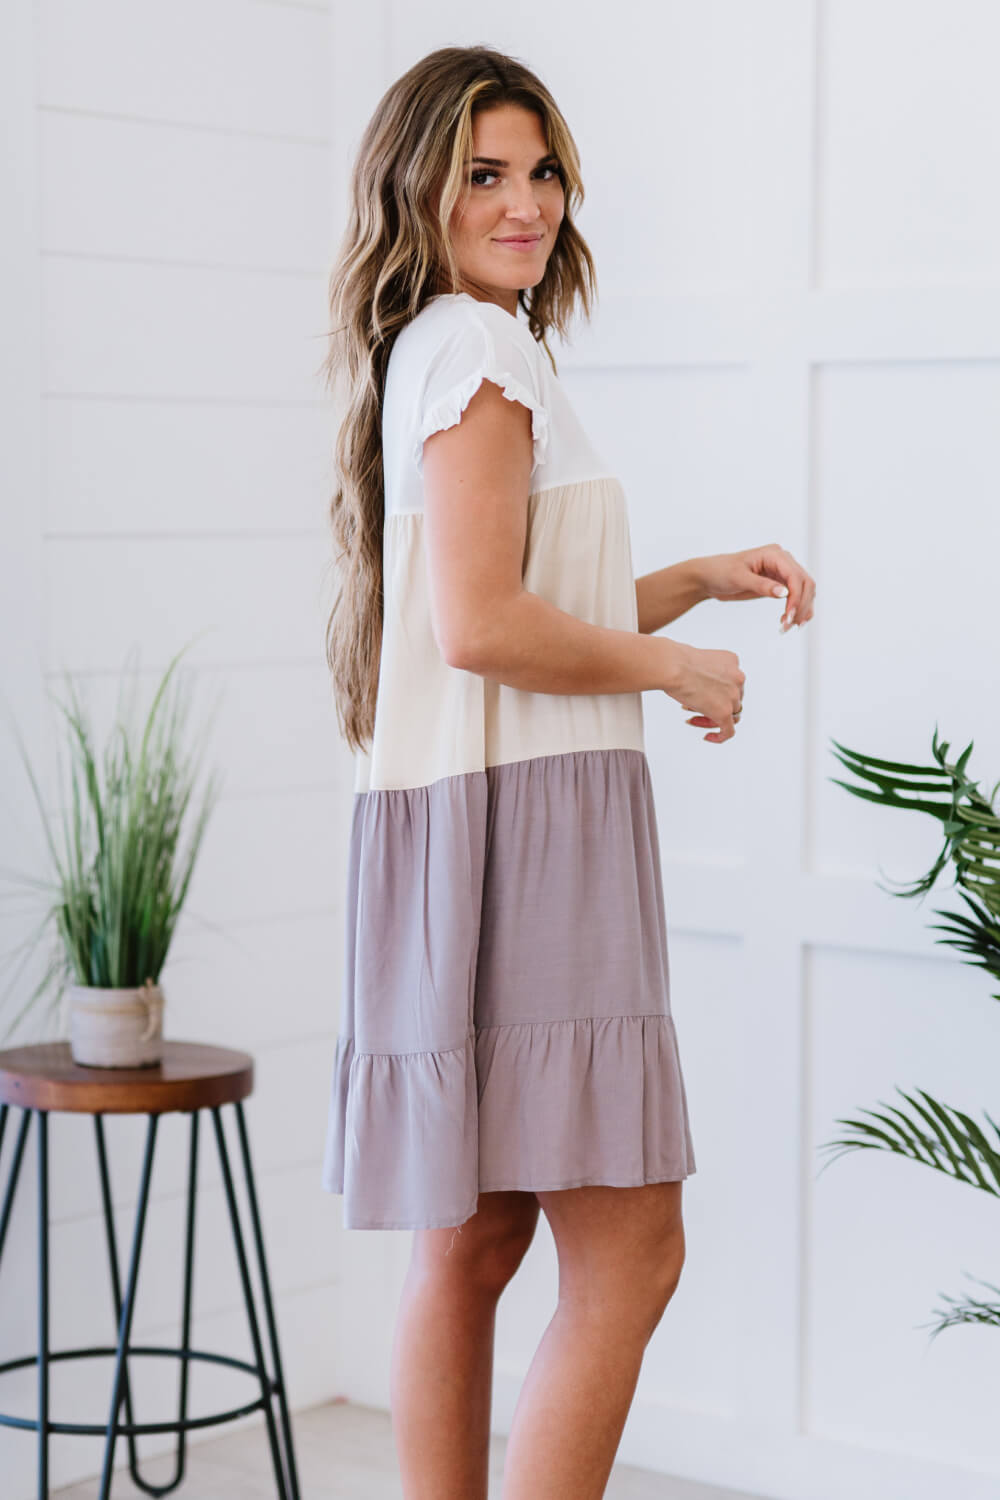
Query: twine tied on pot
(147, 1001)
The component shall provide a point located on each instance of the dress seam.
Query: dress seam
(495, 765)
(633, 1015)
(544, 489)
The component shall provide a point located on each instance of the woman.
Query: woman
(507, 1043)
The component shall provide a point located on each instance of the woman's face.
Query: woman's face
(504, 227)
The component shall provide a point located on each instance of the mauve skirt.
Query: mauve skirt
(507, 1015)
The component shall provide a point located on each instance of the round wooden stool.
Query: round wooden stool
(191, 1077)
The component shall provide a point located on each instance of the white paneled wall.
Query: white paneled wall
(166, 475)
(798, 340)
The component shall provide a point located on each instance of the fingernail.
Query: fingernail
(780, 593)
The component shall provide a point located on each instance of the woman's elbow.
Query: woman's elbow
(477, 638)
(470, 641)
(460, 649)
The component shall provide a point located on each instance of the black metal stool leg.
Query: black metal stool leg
(109, 1232)
(171, 1484)
(125, 1325)
(15, 1170)
(188, 1281)
(133, 1456)
(43, 1265)
(43, 1304)
(268, 1302)
(265, 1381)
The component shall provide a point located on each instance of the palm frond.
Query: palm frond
(943, 791)
(935, 1134)
(980, 938)
(967, 1309)
(971, 830)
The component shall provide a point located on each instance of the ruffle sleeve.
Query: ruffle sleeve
(486, 343)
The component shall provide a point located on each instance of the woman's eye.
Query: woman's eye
(481, 172)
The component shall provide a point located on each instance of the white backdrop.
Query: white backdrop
(798, 340)
(168, 222)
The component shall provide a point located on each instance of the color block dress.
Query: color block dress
(506, 1010)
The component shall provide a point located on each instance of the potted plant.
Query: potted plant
(122, 875)
(935, 1134)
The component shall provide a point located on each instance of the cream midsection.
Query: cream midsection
(434, 720)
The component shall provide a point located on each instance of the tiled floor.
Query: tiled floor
(343, 1452)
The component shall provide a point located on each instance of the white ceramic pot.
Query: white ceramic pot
(116, 1028)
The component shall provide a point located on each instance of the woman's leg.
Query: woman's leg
(441, 1377)
(620, 1254)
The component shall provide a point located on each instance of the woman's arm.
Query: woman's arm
(477, 477)
(476, 485)
(531, 644)
(668, 593)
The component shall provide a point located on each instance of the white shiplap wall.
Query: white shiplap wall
(798, 341)
(169, 217)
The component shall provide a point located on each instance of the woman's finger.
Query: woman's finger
(804, 610)
(796, 593)
(788, 614)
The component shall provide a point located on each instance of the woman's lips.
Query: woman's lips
(522, 242)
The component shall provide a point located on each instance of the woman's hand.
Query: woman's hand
(709, 685)
(757, 573)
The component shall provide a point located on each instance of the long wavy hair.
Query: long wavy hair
(396, 254)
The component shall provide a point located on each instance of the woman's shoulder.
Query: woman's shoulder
(439, 360)
(459, 319)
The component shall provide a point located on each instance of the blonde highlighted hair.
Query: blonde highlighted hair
(410, 173)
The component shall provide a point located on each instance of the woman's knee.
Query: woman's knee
(487, 1249)
(621, 1250)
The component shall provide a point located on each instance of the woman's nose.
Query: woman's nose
(523, 205)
